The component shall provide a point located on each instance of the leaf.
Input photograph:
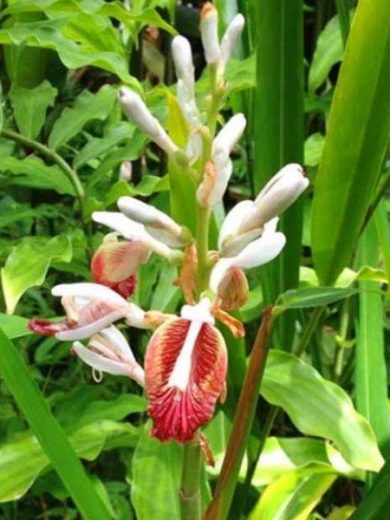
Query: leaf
(87, 106)
(305, 297)
(99, 146)
(319, 407)
(51, 437)
(156, 471)
(356, 142)
(28, 264)
(30, 106)
(314, 145)
(292, 496)
(32, 172)
(147, 186)
(14, 326)
(22, 461)
(329, 51)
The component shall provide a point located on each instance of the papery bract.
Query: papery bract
(185, 371)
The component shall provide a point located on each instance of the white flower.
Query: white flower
(230, 38)
(209, 33)
(108, 351)
(136, 109)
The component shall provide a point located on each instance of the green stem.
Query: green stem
(52, 155)
(219, 507)
(202, 241)
(309, 330)
(190, 491)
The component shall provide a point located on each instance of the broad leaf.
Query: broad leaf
(156, 471)
(14, 326)
(305, 297)
(87, 107)
(30, 106)
(32, 172)
(329, 51)
(28, 264)
(321, 408)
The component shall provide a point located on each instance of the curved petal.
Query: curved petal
(178, 413)
(233, 220)
(94, 360)
(260, 251)
(89, 291)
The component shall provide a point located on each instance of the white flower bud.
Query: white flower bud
(278, 194)
(230, 134)
(231, 37)
(125, 171)
(136, 110)
(182, 57)
(209, 33)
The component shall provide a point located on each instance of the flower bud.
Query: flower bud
(233, 290)
(231, 37)
(136, 110)
(125, 171)
(230, 134)
(209, 33)
(182, 57)
(278, 194)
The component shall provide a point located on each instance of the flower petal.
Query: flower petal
(233, 220)
(99, 362)
(177, 413)
(89, 291)
(260, 251)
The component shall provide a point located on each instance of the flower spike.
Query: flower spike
(185, 371)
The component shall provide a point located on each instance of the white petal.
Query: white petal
(182, 57)
(99, 362)
(93, 327)
(89, 291)
(233, 220)
(136, 317)
(187, 102)
(219, 271)
(181, 372)
(224, 168)
(230, 134)
(209, 33)
(260, 251)
(199, 312)
(231, 37)
(117, 340)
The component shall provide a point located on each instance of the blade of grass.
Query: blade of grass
(48, 432)
(343, 12)
(278, 133)
(358, 134)
(370, 372)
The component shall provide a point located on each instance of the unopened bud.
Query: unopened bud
(209, 33)
(280, 192)
(182, 57)
(138, 112)
(126, 171)
(230, 134)
(233, 290)
(231, 37)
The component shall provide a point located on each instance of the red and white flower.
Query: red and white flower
(185, 372)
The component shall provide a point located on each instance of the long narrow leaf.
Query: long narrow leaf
(278, 119)
(48, 431)
(357, 138)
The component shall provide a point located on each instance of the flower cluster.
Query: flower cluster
(186, 359)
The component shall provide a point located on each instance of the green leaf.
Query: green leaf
(319, 407)
(370, 370)
(357, 140)
(32, 172)
(305, 297)
(14, 326)
(156, 471)
(28, 264)
(329, 51)
(147, 186)
(30, 106)
(314, 145)
(23, 460)
(87, 106)
(292, 496)
(49, 433)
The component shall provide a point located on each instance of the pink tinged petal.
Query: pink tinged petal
(231, 37)
(114, 265)
(233, 290)
(93, 317)
(278, 194)
(45, 327)
(209, 33)
(178, 411)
